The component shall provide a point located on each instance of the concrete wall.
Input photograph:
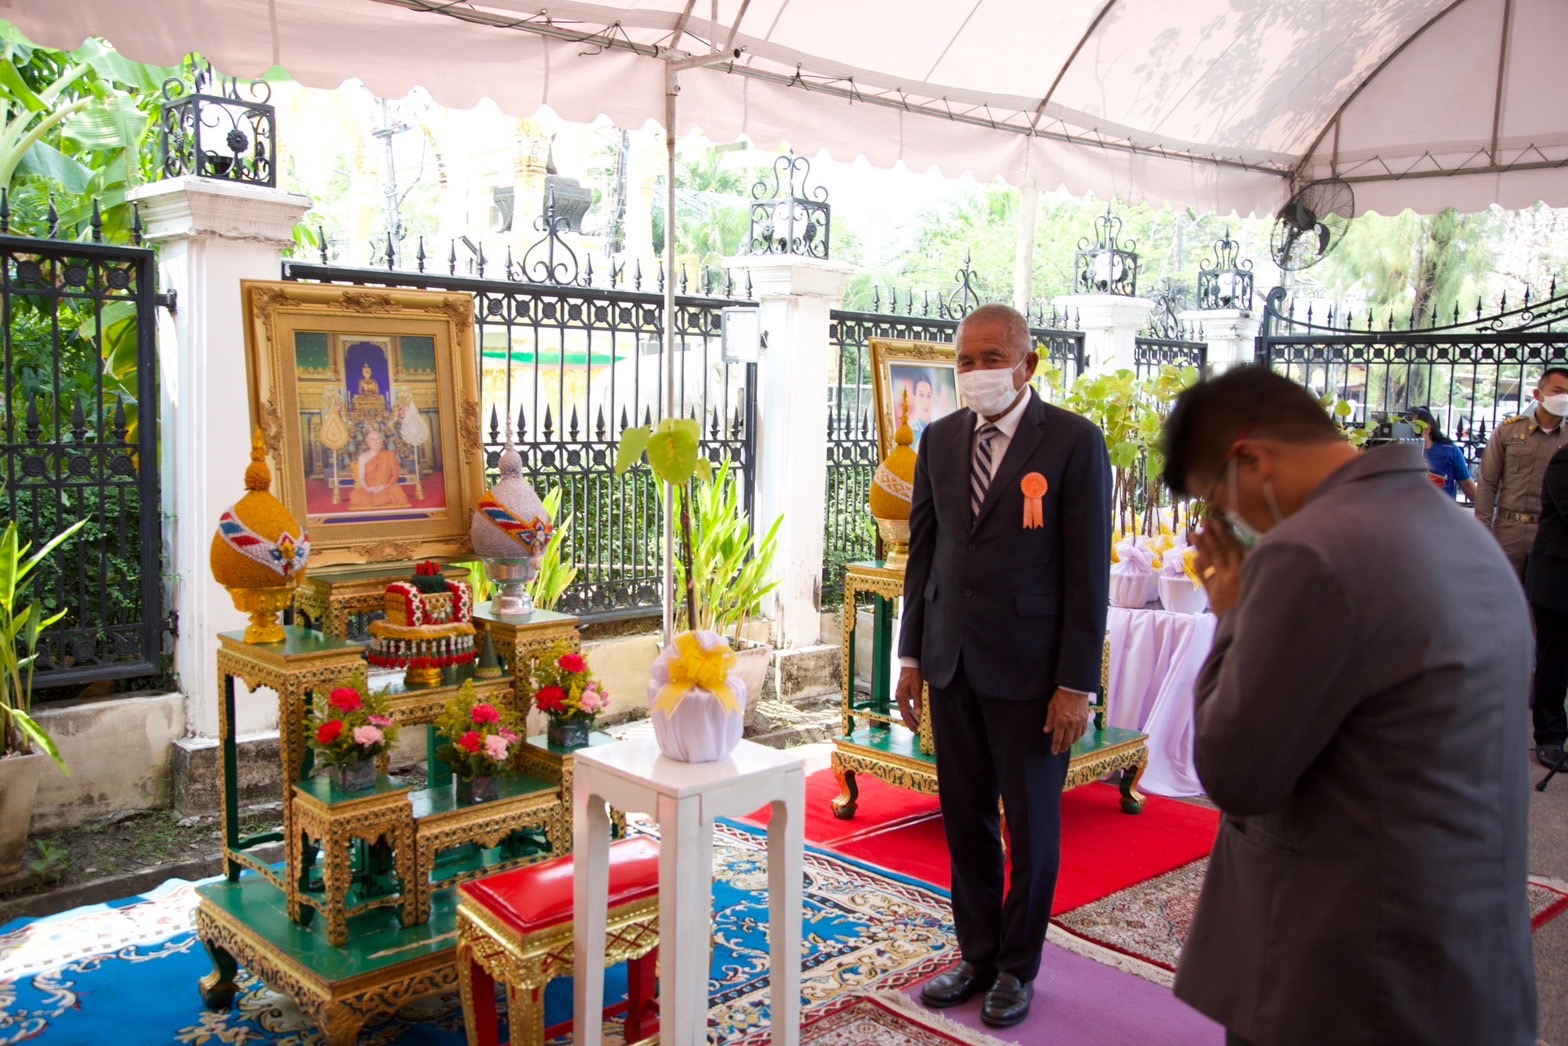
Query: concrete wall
(119, 753)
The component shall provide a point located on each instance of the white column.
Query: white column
(796, 295)
(1110, 324)
(210, 235)
(1231, 334)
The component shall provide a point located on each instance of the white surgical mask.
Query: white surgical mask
(988, 392)
(1248, 536)
(1557, 404)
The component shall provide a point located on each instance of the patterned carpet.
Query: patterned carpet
(127, 972)
(1148, 922)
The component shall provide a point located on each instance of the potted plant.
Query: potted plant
(731, 574)
(21, 623)
(566, 693)
(697, 700)
(349, 728)
(479, 738)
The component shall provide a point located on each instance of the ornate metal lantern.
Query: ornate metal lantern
(1104, 265)
(208, 129)
(1225, 282)
(787, 217)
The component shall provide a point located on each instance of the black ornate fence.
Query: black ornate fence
(79, 439)
(1470, 371)
(567, 365)
(849, 532)
(1150, 354)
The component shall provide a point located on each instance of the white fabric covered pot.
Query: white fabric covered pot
(1178, 595)
(694, 720)
(1131, 589)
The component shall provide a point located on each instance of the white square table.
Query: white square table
(686, 798)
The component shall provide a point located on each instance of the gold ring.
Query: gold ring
(1209, 572)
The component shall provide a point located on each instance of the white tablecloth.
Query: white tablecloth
(1155, 658)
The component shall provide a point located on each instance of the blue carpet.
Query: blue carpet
(126, 972)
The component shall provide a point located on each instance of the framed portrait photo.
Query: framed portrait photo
(924, 371)
(368, 400)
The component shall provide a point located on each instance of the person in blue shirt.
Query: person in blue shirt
(1443, 458)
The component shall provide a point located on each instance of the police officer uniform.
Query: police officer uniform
(1508, 487)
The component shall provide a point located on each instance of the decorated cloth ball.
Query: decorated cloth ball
(893, 485)
(258, 543)
(510, 522)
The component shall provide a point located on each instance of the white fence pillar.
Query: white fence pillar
(796, 296)
(1110, 324)
(1231, 334)
(210, 235)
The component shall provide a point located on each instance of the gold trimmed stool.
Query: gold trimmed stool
(335, 818)
(516, 928)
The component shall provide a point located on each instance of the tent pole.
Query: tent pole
(671, 88)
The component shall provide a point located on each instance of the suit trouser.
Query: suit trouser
(988, 749)
(1551, 675)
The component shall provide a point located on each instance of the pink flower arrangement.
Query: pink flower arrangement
(479, 735)
(350, 725)
(563, 688)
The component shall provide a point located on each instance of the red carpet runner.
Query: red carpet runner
(1103, 849)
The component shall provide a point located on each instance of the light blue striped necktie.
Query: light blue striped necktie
(983, 466)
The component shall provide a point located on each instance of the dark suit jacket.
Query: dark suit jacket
(1360, 723)
(1547, 577)
(1025, 608)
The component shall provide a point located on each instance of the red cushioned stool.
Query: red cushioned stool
(516, 928)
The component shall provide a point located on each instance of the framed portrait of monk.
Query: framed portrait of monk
(923, 371)
(368, 400)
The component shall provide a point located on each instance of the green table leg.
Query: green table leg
(437, 773)
(881, 654)
(231, 784)
(851, 608)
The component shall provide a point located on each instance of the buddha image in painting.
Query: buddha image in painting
(370, 411)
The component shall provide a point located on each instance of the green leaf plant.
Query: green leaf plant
(21, 623)
(721, 570)
(556, 572)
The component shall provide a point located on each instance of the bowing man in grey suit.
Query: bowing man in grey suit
(1005, 598)
(1357, 724)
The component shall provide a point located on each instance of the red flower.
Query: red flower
(550, 699)
(345, 699)
(572, 663)
(471, 741)
(483, 714)
(330, 730)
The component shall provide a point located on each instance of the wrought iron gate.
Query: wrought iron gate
(80, 440)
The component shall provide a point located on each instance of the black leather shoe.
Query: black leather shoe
(1007, 1002)
(1548, 755)
(955, 986)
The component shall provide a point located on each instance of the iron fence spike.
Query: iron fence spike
(419, 255)
(96, 222)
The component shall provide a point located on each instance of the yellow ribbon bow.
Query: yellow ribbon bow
(697, 668)
(1189, 566)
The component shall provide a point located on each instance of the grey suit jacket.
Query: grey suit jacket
(1025, 608)
(1361, 724)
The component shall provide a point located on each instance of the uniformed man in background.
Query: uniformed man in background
(1508, 488)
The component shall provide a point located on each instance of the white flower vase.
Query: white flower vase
(1179, 596)
(700, 729)
(1131, 590)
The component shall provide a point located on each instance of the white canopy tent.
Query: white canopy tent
(1217, 104)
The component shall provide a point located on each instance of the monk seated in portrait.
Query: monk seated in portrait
(375, 476)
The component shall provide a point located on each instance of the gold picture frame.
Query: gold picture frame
(368, 401)
(927, 369)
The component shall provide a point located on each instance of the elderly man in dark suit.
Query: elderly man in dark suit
(1358, 725)
(1005, 598)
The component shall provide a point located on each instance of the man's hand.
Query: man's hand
(1219, 565)
(1067, 719)
(908, 693)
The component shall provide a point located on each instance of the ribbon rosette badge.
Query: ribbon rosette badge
(1034, 487)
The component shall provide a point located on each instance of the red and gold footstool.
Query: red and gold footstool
(516, 928)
